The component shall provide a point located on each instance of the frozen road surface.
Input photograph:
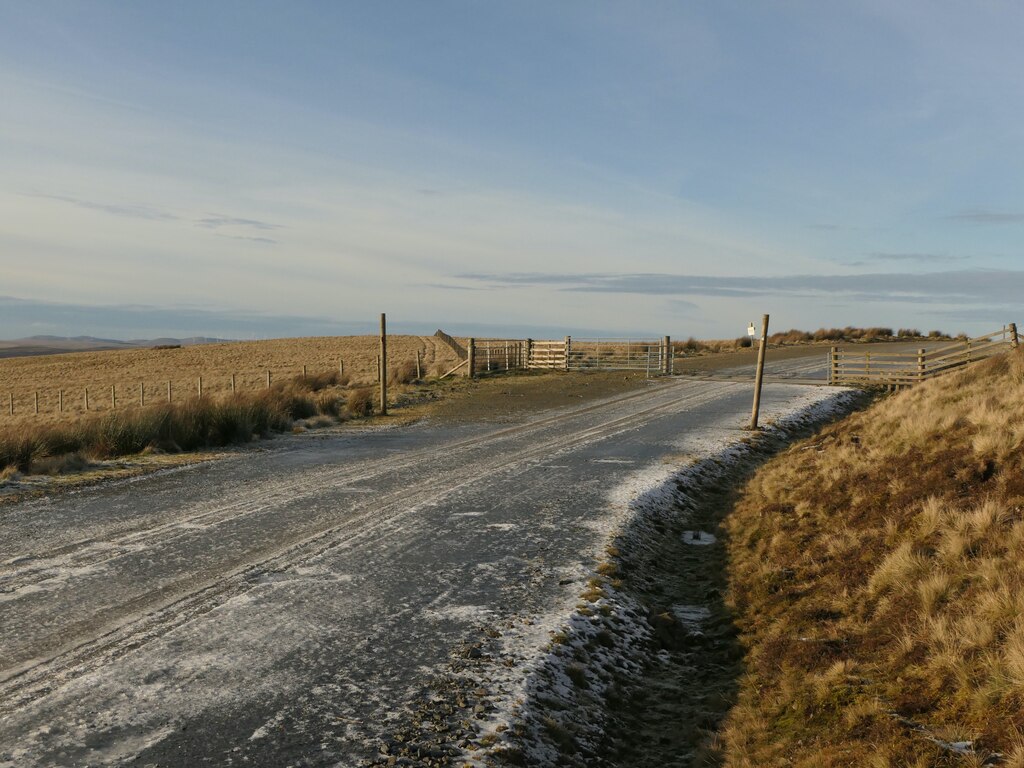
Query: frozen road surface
(286, 606)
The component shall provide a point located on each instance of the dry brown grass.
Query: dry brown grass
(878, 576)
(248, 360)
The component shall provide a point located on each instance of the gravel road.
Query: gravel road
(288, 605)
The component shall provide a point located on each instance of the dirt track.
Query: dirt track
(291, 604)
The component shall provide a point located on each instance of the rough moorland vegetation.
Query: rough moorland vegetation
(188, 425)
(793, 336)
(877, 573)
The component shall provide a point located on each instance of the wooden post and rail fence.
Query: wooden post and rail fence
(851, 367)
(654, 356)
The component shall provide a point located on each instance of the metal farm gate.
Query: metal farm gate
(654, 356)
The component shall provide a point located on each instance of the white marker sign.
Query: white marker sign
(750, 330)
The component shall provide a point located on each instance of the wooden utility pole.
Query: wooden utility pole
(760, 373)
(383, 365)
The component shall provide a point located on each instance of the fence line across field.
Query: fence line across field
(152, 391)
(655, 356)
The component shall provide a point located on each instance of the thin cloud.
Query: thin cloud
(918, 257)
(953, 287)
(264, 240)
(983, 216)
(216, 221)
(127, 211)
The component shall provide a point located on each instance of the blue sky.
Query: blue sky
(276, 168)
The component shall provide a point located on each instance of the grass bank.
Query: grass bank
(876, 571)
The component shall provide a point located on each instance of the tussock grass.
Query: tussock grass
(188, 425)
(878, 575)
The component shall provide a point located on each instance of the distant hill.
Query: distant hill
(56, 345)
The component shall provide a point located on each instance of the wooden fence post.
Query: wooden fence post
(232, 383)
(113, 397)
(568, 351)
(168, 390)
(471, 358)
(10, 397)
(199, 388)
(419, 369)
(303, 373)
(268, 378)
(87, 398)
(833, 365)
(1014, 341)
(668, 356)
(341, 367)
(506, 355)
(920, 364)
(36, 398)
(527, 353)
(60, 401)
(759, 376)
(383, 365)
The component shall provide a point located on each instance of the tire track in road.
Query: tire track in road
(152, 615)
(27, 569)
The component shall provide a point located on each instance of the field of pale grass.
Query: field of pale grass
(877, 573)
(249, 361)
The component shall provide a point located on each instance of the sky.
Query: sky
(255, 169)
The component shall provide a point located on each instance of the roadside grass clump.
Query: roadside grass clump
(877, 573)
(359, 401)
(185, 426)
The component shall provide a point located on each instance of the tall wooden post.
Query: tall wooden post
(10, 400)
(113, 397)
(759, 377)
(920, 365)
(668, 356)
(1014, 341)
(36, 393)
(168, 390)
(60, 401)
(471, 358)
(383, 365)
(142, 394)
